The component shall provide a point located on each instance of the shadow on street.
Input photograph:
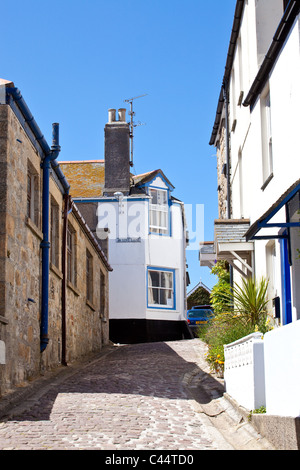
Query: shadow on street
(145, 370)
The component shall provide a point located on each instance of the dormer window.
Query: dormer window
(158, 211)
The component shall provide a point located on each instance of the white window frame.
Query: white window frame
(159, 211)
(267, 145)
(158, 291)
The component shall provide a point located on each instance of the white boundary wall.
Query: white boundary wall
(282, 370)
(244, 371)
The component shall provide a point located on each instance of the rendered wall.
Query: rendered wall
(282, 371)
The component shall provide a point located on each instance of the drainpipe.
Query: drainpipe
(45, 245)
(64, 280)
(66, 188)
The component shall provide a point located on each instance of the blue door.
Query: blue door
(285, 282)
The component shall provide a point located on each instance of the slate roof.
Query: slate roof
(146, 177)
(231, 230)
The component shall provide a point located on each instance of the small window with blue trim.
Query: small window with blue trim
(161, 287)
(159, 211)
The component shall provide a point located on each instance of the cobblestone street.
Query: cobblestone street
(133, 397)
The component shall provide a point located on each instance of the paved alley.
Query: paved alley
(133, 397)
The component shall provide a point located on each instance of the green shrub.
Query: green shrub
(221, 289)
(249, 302)
(225, 328)
(244, 312)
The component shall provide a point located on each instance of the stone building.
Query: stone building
(51, 312)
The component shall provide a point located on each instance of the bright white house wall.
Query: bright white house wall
(244, 371)
(169, 252)
(282, 371)
(249, 200)
(133, 250)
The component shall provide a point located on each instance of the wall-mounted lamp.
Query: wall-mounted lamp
(120, 196)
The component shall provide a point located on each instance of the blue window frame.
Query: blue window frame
(161, 288)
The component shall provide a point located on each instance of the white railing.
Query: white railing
(244, 371)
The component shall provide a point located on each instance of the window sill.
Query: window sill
(30, 224)
(73, 288)
(3, 320)
(160, 234)
(160, 307)
(56, 271)
(89, 304)
(267, 182)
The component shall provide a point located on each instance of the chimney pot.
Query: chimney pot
(111, 115)
(122, 114)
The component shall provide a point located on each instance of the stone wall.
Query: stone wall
(20, 271)
(222, 180)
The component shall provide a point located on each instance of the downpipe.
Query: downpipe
(67, 211)
(45, 244)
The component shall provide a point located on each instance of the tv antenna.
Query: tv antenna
(132, 124)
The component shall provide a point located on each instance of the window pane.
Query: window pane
(163, 220)
(160, 288)
(166, 279)
(159, 196)
(162, 197)
(153, 194)
(155, 298)
(154, 278)
(153, 218)
(166, 297)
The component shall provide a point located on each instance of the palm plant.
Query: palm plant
(249, 302)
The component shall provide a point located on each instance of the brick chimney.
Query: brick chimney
(117, 153)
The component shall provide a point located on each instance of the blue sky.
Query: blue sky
(75, 59)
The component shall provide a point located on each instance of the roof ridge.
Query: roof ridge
(81, 161)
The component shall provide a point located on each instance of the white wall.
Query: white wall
(130, 259)
(281, 345)
(169, 252)
(246, 141)
(282, 371)
(244, 371)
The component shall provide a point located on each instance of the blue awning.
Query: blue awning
(265, 220)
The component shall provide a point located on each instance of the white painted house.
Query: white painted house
(255, 133)
(142, 228)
